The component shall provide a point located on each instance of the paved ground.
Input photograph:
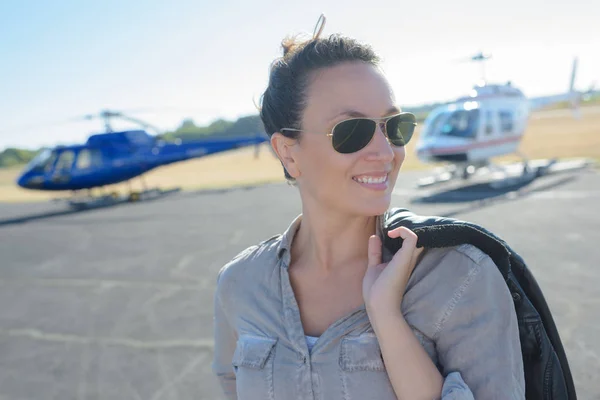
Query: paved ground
(116, 303)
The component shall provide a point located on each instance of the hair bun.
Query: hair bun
(289, 44)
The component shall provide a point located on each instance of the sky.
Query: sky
(164, 61)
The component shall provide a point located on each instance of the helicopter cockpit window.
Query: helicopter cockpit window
(49, 164)
(43, 161)
(433, 122)
(461, 123)
(506, 121)
(489, 123)
(95, 158)
(65, 161)
(84, 159)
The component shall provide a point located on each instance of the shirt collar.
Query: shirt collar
(285, 245)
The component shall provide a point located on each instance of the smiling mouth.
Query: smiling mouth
(371, 179)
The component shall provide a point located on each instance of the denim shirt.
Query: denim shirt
(456, 303)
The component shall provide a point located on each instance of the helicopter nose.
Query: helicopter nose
(22, 181)
(26, 181)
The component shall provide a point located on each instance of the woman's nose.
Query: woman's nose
(380, 147)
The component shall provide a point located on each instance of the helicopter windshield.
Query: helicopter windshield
(458, 123)
(42, 160)
(433, 122)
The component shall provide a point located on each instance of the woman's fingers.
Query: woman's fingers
(374, 257)
(406, 234)
(402, 232)
(406, 253)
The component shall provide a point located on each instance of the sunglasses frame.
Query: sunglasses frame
(376, 120)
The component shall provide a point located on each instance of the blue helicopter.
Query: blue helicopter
(117, 156)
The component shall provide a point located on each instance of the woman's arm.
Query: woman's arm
(225, 342)
(479, 334)
(476, 339)
(412, 373)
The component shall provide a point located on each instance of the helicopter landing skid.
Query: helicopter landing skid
(439, 177)
(504, 176)
(511, 175)
(112, 199)
(499, 174)
(449, 173)
(526, 172)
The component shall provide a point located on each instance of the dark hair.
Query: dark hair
(284, 100)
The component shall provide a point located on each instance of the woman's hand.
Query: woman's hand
(411, 371)
(384, 284)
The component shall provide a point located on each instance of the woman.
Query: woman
(316, 312)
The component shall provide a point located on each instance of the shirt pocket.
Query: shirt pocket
(253, 366)
(362, 369)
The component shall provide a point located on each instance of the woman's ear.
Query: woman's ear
(285, 148)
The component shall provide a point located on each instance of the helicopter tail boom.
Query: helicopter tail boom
(167, 153)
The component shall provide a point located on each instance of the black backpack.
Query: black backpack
(547, 373)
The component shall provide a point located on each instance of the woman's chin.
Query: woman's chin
(374, 207)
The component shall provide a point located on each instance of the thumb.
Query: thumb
(374, 251)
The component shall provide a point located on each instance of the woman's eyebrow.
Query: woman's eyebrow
(392, 110)
(358, 114)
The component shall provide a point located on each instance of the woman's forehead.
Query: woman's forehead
(353, 90)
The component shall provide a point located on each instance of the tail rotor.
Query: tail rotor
(575, 96)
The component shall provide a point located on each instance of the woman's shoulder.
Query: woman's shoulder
(457, 265)
(476, 258)
(453, 281)
(247, 263)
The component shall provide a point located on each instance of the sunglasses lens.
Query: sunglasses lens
(401, 128)
(352, 135)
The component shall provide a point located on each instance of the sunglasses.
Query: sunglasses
(352, 135)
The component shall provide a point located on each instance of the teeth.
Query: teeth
(370, 179)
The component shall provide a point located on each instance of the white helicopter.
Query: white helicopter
(490, 122)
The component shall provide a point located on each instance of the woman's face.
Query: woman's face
(349, 183)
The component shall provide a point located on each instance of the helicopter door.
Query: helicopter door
(506, 121)
(84, 160)
(63, 167)
(490, 126)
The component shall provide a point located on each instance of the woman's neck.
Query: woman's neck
(328, 240)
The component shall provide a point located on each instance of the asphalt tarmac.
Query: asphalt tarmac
(116, 303)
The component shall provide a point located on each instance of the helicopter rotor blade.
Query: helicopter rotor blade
(480, 56)
(107, 114)
(140, 122)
